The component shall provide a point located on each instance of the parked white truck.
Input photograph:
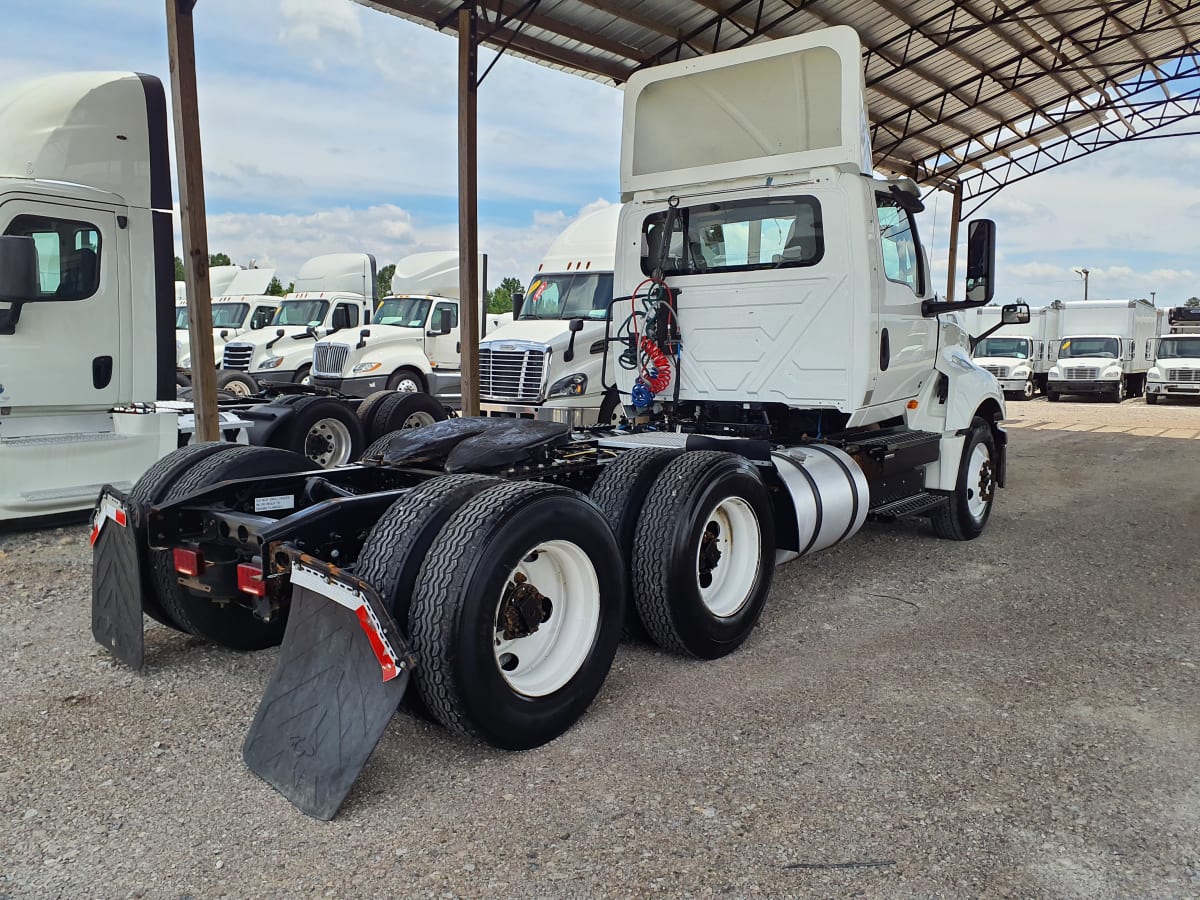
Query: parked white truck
(333, 292)
(87, 269)
(1019, 356)
(1176, 370)
(412, 344)
(1105, 348)
(242, 305)
(790, 372)
(548, 363)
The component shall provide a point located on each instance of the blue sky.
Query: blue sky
(328, 127)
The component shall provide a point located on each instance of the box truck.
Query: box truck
(1105, 348)
(1176, 369)
(1019, 356)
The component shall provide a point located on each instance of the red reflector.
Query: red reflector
(188, 562)
(250, 579)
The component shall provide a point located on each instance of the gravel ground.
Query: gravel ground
(1015, 716)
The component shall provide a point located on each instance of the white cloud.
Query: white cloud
(319, 22)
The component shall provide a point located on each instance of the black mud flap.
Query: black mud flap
(342, 671)
(117, 577)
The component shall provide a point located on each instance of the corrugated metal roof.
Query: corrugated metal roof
(985, 92)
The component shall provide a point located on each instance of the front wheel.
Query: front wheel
(240, 384)
(406, 381)
(1120, 393)
(1151, 399)
(965, 515)
(303, 375)
(518, 614)
(1052, 395)
(1028, 390)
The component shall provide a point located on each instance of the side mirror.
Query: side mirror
(576, 325)
(362, 338)
(224, 334)
(441, 323)
(518, 300)
(1015, 314)
(981, 261)
(19, 281)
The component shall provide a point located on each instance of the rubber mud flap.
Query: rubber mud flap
(116, 579)
(327, 703)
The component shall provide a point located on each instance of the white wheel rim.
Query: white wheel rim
(417, 420)
(979, 482)
(737, 535)
(543, 662)
(328, 443)
(1028, 390)
(238, 387)
(407, 386)
(307, 379)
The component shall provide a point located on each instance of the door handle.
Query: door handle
(102, 367)
(885, 351)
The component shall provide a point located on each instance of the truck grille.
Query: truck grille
(514, 375)
(328, 359)
(237, 356)
(1192, 375)
(1081, 373)
(998, 371)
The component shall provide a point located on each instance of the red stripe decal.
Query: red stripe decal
(381, 653)
(95, 534)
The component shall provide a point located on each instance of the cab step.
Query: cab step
(916, 505)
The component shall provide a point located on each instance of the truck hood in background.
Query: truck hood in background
(551, 332)
(264, 336)
(1010, 362)
(1088, 362)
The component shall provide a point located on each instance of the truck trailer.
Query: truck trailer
(1105, 348)
(789, 371)
(1019, 356)
(1176, 370)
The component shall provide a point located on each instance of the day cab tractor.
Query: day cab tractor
(786, 371)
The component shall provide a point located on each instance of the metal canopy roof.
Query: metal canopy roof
(981, 92)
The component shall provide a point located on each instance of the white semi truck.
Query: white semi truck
(412, 344)
(549, 362)
(87, 270)
(1176, 370)
(333, 292)
(239, 304)
(789, 372)
(1019, 356)
(1105, 348)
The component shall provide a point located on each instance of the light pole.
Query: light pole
(1083, 273)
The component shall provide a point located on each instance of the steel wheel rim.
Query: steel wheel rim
(1029, 390)
(417, 420)
(980, 487)
(408, 386)
(328, 443)
(728, 586)
(238, 387)
(538, 664)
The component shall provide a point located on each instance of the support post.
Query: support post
(952, 262)
(468, 206)
(189, 162)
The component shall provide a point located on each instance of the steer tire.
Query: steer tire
(1151, 399)
(240, 384)
(229, 624)
(453, 619)
(182, 380)
(620, 492)
(398, 542)
(955, 520)
(681, 507)
(367, 409)
(324, 430)
(1052, 395)
(150, 489)
(403, 410)
(402, 379)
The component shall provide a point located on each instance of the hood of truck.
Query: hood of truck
(264, 336)
(553, 333)
(383, 336)
(1008, 362)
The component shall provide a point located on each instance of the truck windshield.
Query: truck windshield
(229, 315)
(1179, 348)
(408, 312)
(1011, 348)
(1099, 347)
(569, 295)
(181, 322)
(301, 312)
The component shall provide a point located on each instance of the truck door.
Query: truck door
(66, 350)
(443, 350)
(905, 341)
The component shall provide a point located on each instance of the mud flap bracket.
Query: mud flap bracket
(343, 668)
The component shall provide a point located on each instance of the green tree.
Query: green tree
(383, 280)
(275, 288)
(179, 276)
(500, 299)
(219, 259)
(1192, 302)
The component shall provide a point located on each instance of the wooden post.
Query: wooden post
(182, 53)
(952, 266)
(468, 203)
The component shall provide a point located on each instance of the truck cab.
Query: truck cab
(1176, 369)
(335, 292)
(1019, 357)
(548, 363)
(1105, 348)
(412, 344)
(233, 314)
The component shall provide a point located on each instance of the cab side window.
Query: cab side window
(437, 312)
(898, 243)
(345, 315)
(68, 255)
(262, 317)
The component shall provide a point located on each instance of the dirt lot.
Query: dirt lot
(1016, 716)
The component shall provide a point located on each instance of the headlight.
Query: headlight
(1053, 373)
(1112, 373)
(273, 362)
(1020, 372)
(571, 386)
(366, 367)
